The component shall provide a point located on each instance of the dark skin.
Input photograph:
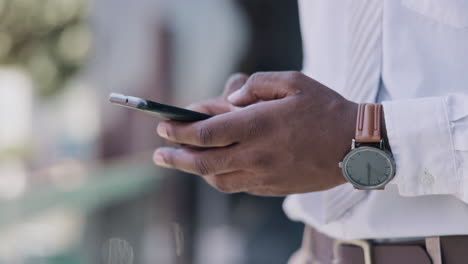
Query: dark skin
(273, 134)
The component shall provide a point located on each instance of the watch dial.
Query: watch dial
(369, 167)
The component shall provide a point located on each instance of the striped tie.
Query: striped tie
(365, 54)
(364, 50)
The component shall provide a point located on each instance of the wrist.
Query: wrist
(369, 165)
(347, 114)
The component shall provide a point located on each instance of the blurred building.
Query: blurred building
(76, 180)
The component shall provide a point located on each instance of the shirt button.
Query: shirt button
(426, 179)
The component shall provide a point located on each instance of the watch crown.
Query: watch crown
(340, 164)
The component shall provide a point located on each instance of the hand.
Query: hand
(221, 105)
(288, 139)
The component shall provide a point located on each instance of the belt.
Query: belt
(317, 248)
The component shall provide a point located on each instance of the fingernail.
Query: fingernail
(235, 95)
(162, 130)
(159, 159)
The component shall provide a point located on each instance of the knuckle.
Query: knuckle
(204, 135)
(171, 133)
(169, 158)
(202, 167)
(222, 185)
(237, 76)
(256, 77)
(294, 77)
(235, 81)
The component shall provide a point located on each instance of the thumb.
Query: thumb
(264, 86)
(234, 83)
(211, 107)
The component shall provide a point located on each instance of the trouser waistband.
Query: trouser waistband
(317, 248)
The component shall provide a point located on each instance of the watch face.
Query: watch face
(368, 167)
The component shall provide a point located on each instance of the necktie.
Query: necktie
(364, 50)
(363, 79)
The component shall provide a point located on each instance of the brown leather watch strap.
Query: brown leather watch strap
(368, 123)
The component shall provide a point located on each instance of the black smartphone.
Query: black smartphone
(157, 109)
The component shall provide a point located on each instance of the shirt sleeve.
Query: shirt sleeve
(429, 141)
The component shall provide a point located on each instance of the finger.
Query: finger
(196, 161)
(234, 83)
(267, 86)
(211, 107)
(266, 191)
(218, 131)
(220, 105)
(232, 182)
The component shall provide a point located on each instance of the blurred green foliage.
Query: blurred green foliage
(71, 258)
(49, 38)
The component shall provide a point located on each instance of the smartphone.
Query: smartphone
(157, 109)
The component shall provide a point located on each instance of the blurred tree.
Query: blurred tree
(47, 38)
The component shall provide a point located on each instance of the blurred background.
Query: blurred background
(77, 184)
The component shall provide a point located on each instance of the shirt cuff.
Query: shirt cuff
(419, 134)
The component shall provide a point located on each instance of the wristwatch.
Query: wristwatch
(369, 165)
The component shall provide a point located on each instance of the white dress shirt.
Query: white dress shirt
(424, 90)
